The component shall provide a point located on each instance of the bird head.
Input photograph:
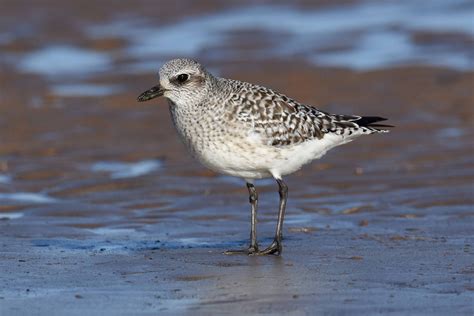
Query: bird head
(183, 81)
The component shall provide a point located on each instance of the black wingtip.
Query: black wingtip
(368, 121)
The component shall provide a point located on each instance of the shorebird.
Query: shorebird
(251, 132)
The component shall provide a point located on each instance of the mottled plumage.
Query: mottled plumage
(249, 131)
(286, 122)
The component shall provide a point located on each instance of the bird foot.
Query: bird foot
(274, 249)
(252, 250)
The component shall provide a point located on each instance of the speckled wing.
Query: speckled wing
(283, 122)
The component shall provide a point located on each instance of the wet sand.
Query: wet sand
(102, 211)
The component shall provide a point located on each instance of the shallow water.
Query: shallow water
(97, 190)
(64, 61)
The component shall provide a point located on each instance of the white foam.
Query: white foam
(64, 60)
(126, 169)
(27, 197)
(85, 90)
(13, 215)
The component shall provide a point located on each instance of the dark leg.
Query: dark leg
(276, 246)
(253, 198)
(253, 248)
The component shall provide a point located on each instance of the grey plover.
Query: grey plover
(251, 132)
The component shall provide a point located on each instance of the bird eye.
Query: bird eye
(182, 78)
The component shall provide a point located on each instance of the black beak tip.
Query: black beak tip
(152, 93)
(145, 96)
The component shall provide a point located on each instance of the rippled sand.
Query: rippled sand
(102, 211)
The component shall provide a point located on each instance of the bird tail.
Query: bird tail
(371, 123)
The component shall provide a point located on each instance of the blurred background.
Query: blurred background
(84, 166)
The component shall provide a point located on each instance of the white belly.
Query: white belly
(253, 160)
(237, 159)
(296, 156)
